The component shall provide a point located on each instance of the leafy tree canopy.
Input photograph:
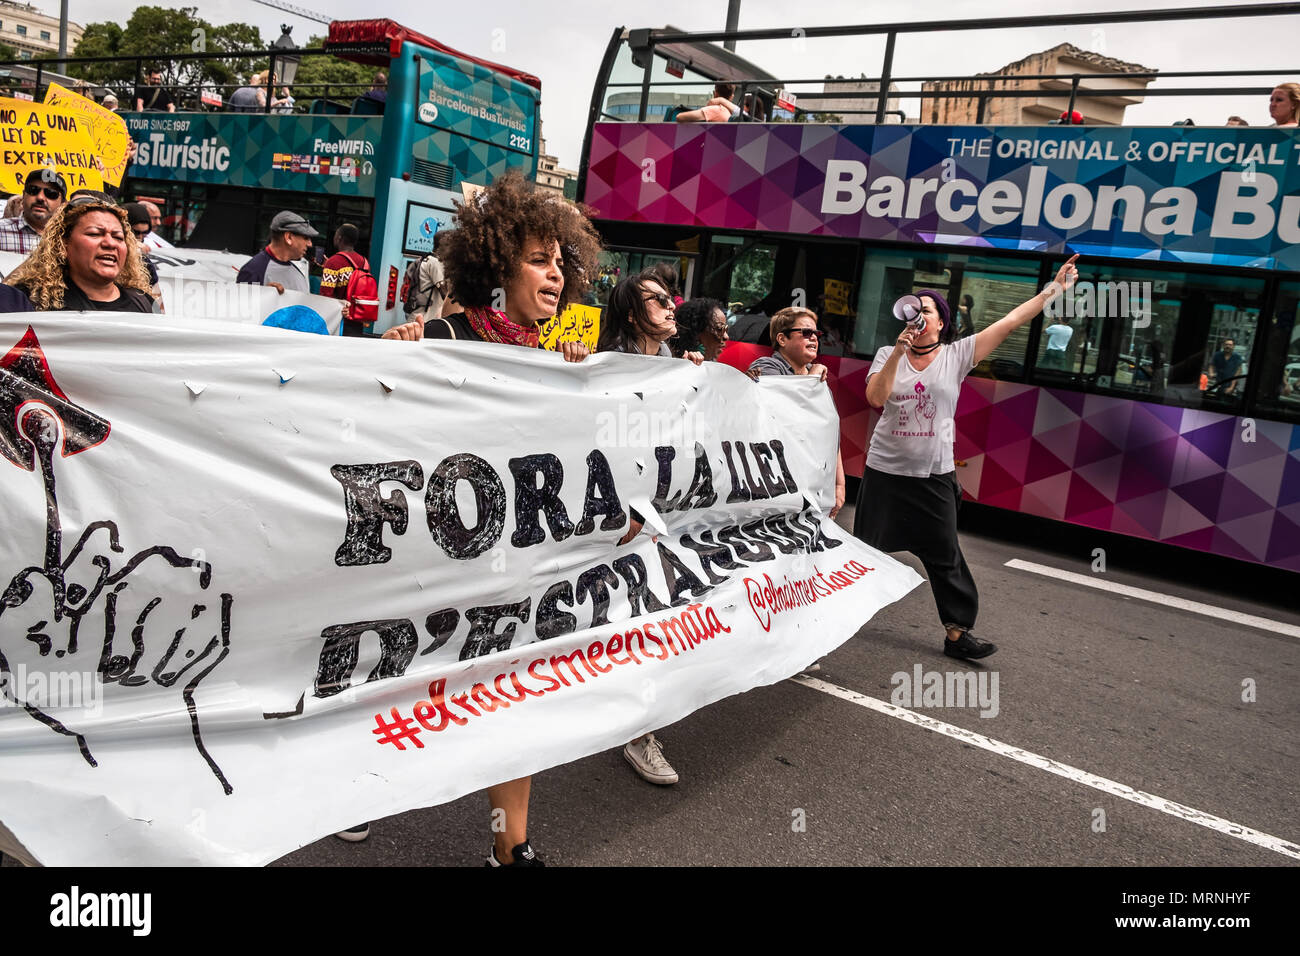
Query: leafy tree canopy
(152, 33)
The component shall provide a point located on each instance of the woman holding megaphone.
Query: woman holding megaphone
(909, 494)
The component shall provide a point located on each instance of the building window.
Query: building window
(21, 29)
(45, 34)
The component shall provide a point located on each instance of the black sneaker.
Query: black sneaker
(354, 834)
(968, 648)
(523, 855)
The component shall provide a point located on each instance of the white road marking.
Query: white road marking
(1191, 815)
(1196, 607)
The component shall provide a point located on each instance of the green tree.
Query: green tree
(7, 52)
(346, 80)
(154, 32)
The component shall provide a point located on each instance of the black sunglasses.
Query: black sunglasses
(51, 192)
(663, 300)
(806, 333)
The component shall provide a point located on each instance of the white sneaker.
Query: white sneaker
(647, 757)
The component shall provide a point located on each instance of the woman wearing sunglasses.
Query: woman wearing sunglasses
(701, 327)
(795, 343)
(87, 260)
(640, 319)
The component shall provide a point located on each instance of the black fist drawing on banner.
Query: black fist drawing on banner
(100, 642)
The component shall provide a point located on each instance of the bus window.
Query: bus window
(623, 103)
(1280, 358)
(985, 294)
(1162, 335)
(613, 267)
(739, 272)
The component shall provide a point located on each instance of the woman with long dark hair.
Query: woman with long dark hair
(640, 319)
(909, 494)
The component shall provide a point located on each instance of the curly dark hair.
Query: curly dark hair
(693, 317)
(484, 252)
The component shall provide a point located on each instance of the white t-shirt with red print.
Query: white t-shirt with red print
(917, 426)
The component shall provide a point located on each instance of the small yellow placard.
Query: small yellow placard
(837, 296)
(577, 323)
(107, 130)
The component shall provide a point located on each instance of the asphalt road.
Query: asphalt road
(1146, 696)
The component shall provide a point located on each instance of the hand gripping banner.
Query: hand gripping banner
(257, 586)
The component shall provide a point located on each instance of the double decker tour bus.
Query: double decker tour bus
(391, 164)
(1189, 236)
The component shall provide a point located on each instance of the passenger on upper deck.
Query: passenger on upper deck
(719, 109)
(373, 101)
(151, 96)
(1284, 104)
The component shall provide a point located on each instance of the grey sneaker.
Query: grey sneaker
(647, 757)
(354, 834)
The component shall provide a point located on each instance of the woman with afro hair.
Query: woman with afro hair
(516, 258)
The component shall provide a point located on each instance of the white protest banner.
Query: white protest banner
(215, 264)
(229, 301)
(256, 587)
(200, 284)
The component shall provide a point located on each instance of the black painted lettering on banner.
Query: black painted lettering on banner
(779, 448)
(532, 499)
(746, 550)
(739, 490)
(338, 653)
(441, 625)
(710, 553)
(551, 621)
(775, 487)
(680, 578)
(596, 583)
(601, 498)
(664, 455)
(701, 493)
(368, 511)
(633, 571)
(445, 522)
(483, 638)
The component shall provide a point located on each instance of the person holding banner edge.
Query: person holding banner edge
(532, 254)
(88, 260)
(909, 495)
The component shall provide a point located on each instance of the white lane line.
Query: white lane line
(1196, 607)
(1190, 814)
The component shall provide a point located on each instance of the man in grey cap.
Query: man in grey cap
(291, 236)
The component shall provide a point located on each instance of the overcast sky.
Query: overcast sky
(562, 42)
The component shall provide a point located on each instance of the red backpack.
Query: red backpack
(362, 292)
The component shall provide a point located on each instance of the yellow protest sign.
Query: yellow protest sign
(107, 129)
(837, 296)
(36, 136)
(577, 323)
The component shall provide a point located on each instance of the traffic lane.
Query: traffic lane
(1098, 682)
(786, 776)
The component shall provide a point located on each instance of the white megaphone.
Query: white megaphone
(908, 309)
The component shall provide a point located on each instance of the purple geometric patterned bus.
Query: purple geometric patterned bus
(1161, 400)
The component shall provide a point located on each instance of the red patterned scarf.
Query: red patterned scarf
(493, 326)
